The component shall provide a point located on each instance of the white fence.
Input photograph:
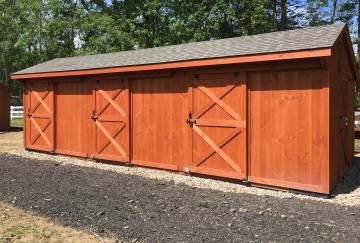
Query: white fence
(16, 112)
(357, 118)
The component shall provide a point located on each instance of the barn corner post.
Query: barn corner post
(24, 102)
(248, 127)
(52, 88)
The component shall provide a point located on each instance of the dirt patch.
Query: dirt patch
(11, 140)
(19, 226)
(149, 210)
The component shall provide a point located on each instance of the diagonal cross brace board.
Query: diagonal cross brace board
(34, 117)
(117, 132)
(111, 121)
(41, 132)
(217, 149)
(40, 100)
(225, 141)
(236, 90)
(219, 102)
(111, 139)
(212, 103)
(111, 101)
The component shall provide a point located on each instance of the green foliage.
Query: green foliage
(357, 103)
(34, 31)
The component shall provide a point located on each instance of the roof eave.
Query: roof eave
(321, 52)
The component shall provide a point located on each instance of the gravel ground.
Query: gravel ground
(145, 205)
(346, 193)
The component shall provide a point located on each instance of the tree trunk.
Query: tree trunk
(358, 45)
(274, 15)
(284, 20)
(333, 13)
(358, 32)
(5, 68)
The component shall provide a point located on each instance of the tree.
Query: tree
(33, 31)
(284, 19)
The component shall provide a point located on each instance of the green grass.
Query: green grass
(26, 233)
(17, 122)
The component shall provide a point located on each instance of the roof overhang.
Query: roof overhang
(324, 52)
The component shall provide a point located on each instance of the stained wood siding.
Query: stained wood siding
(73, 129)
(160, 136)
(342, 106)
(4, 108)
(289, 129)
(274, 124)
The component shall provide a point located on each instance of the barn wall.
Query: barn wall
(4, 108)
(268, 121)
(342, 105)
(289, 129)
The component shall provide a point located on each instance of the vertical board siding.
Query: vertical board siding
(342, 105)
(289, 129)
(159, 132)
(269, 125)
(73, 102)
(4, 108)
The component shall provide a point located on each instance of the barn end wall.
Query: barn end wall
(271, 118)
(342, 106)
(4, 108)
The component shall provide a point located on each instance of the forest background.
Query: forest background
(34, 31)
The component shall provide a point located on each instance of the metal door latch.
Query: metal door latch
(94, 116)
(29, 113)
(190, 121)
(344, 122)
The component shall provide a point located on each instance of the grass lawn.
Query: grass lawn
(19, 226)
(18, 122)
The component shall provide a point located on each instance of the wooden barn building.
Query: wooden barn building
(273, 109)
(5, 96)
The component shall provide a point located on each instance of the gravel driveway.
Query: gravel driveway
(146, 210)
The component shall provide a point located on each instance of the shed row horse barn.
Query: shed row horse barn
(273, 109)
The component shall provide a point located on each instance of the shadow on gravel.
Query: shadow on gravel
(351, 180)
(12, 129)
(140, 209)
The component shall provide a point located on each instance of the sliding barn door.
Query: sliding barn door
(40, 116)
(218, 122)
(111, 120)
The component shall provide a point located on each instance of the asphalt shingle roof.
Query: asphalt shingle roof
(281, 41)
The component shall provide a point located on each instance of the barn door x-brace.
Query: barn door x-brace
(218, 123)
(111, 120)
(40, 117)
